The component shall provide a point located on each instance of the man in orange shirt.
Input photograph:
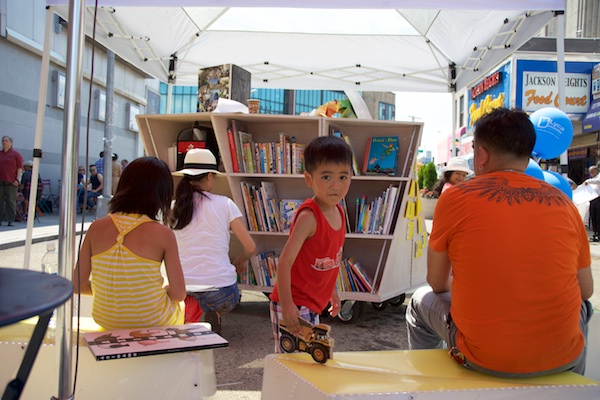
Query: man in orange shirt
(508, 265)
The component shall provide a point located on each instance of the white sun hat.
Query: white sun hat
(198, 162)
(457, 164)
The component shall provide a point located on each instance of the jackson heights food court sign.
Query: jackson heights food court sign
(537, 86)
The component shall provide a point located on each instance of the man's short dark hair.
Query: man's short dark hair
(326, 150)
(506, 131)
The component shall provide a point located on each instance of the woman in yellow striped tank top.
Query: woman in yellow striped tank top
(123, 253)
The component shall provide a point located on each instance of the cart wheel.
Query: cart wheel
(380, 306)
(287, 343)
(350, 311)
(318, 353)
(398, 300)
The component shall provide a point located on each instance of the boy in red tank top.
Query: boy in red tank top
(308, 265)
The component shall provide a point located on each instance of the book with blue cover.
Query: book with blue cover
(381, 156)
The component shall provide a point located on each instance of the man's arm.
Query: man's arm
(586, 282)
(438, 270)
(101, 179)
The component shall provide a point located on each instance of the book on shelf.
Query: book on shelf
(128, 343)
(297, 157)
(375, 216)
(236, 127)
(360, 273)
(381, 156)
(232, 150)
(271, 206)
(248, 152)
(288, 210)
(337, 133)
(247, 189)
(352, 277)
(264, 268)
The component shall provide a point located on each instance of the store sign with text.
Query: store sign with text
(540, 89)
(491, 92)
(537, 85)
(596, 80)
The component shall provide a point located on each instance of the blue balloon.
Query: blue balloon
(533, 169)
(554, 132)
(557, 180)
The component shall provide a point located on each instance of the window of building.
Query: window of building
(387, 111)
(461, 114)
(184, 99)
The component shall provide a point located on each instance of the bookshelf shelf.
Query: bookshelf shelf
(394, 261)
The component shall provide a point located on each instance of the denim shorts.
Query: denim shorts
(221, 300)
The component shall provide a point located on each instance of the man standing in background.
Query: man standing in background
(594, 180)
(11, 168)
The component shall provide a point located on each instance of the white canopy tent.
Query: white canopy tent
(393, 45)
(379, 45)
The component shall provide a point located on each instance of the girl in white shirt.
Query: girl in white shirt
(202, 222)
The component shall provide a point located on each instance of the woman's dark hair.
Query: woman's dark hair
(183, 210)
(506, 131)
(146, 187)
(439, 185)
(326, 150)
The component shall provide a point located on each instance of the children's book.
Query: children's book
(269, 199)
(138, 342)
(288, 210)
(381, 156)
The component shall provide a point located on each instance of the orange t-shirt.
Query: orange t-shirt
(515, 244)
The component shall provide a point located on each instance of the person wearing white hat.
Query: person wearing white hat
(456, 171)
(202, 222)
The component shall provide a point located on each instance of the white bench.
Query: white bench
(185, 375)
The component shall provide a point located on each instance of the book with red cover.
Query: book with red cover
(138, 342)
(232, 150)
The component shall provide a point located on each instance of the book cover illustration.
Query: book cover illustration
(128, 343)
(381, 157)
(288, 210)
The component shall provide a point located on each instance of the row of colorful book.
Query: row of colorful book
(267, 213)
(352, 277)
(284, 156)
(261, 270)
(264, 211)
(375, 216)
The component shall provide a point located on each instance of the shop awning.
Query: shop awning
(591, 122)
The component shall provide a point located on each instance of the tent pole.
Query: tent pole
(66, 234)
(169, 97)
(39, 133)
(560, 69)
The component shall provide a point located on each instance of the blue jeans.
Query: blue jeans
(429, 325)
(90, 198)
(221, 300)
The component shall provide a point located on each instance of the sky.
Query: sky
(433, 109)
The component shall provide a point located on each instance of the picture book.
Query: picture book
(381, 156)
(288, 210)
(247, 145)
(269, 199)
(128, 343)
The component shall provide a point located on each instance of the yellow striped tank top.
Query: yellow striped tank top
(128, 289)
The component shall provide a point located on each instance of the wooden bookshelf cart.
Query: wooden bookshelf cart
(396, 261)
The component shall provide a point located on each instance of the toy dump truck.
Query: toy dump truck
(314, 340)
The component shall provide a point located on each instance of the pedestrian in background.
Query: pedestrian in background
(11, 168)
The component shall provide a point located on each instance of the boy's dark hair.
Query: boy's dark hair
(326, 150)
(506, 131)
(146, 187)
(183, 210)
